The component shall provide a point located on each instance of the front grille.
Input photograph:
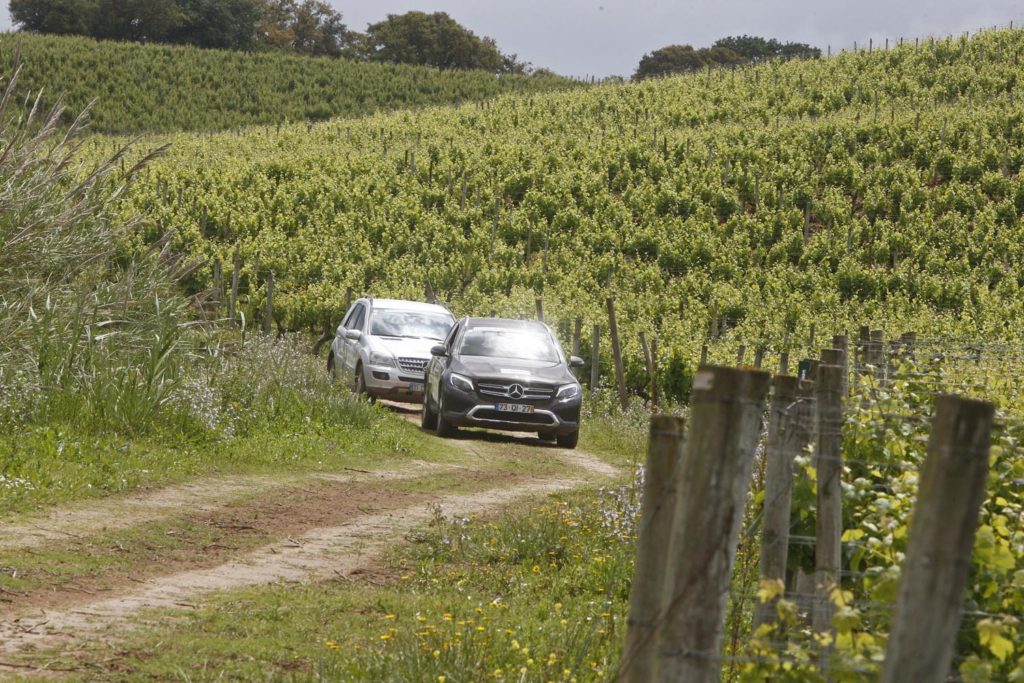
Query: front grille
(415, 366)
(503, 390)
(514, 418)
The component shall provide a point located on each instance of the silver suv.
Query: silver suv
(382, 346)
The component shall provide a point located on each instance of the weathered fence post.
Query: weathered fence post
(620, 374)
(577, 330)
(944, 522)
(268, 315)
(829, 518)
(539, 303)
(877, 354)
(725, 427)
(787, 436)
(758, 357)
(740, 355)
(665, 449)
(236, 275)
(649, 365)
(218, 288)
(842, 343)
(704, 354)
(595, 358)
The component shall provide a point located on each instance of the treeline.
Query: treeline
(157, 88)
(730, 51)
(308, 27)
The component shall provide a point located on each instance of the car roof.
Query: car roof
(510, 323)
(404, 305)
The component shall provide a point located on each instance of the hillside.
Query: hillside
(878, 187)
(168, 88)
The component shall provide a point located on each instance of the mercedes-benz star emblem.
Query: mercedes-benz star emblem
(516, 391)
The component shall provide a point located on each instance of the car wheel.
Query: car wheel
(443, 427)
(332, 373)
(568, 440)
(428, 419)
(361, 391)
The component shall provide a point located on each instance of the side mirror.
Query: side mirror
(439, 350)
(354, 335)
(340, 331)
(576, 362)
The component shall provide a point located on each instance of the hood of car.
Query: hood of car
(403, 347)
(514, 370)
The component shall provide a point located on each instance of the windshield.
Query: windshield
(506, 343)
(415, 324)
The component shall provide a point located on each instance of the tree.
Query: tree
(669, 60)
(227, 24)
(63, 17)
(311, 27)
(434, 40)
(139, 20)
(756, 49)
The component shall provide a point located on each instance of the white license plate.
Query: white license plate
(416, 387)
(513, 407)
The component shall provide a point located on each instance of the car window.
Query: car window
(509, 343)
(450, 340)
(355, 321)
(411, 324)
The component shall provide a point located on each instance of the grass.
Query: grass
(539, 595)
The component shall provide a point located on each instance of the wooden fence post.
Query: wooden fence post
(348, 299)
(945, 518)
(787, 436)
(828, 464)
(595, 358)
(649, 366)
(268, 315)
(876, 349)
(236, 275)
(665, 449)
(740, 355)
(654, 371)
(842, 343)
(539, 303)
(704, 354)
(725, 427)
(218, 288)
(758, 357)
(577, 330)
(620, 375)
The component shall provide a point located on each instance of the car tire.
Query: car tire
(443, 427)
(568, 440)
(428, 418)
(361, 391)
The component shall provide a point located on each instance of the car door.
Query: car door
(438, 364)
(355, 322)
(338, 345)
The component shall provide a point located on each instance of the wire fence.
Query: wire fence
(882, 536)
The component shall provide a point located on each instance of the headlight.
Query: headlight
(568, 391)
(460, 382)
(385, 359)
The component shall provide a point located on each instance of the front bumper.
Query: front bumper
(555, 416)
(394, 384)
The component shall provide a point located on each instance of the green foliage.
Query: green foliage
(756, 49)
(725, 52)
(781, 195)
(164, 88)
(434, 40)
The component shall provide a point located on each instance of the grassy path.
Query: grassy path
(84, 574)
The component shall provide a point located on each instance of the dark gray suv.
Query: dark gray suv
(503, 374)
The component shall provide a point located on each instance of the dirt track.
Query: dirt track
(340, 535)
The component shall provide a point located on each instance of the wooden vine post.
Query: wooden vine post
(268, 314)
(725, 427)
(595, 358)
(665, 448)
(787, 436)
(620, 374)
(236, 275)
(829, 518)
(945, 518)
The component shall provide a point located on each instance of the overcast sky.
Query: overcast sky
(608, 37)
